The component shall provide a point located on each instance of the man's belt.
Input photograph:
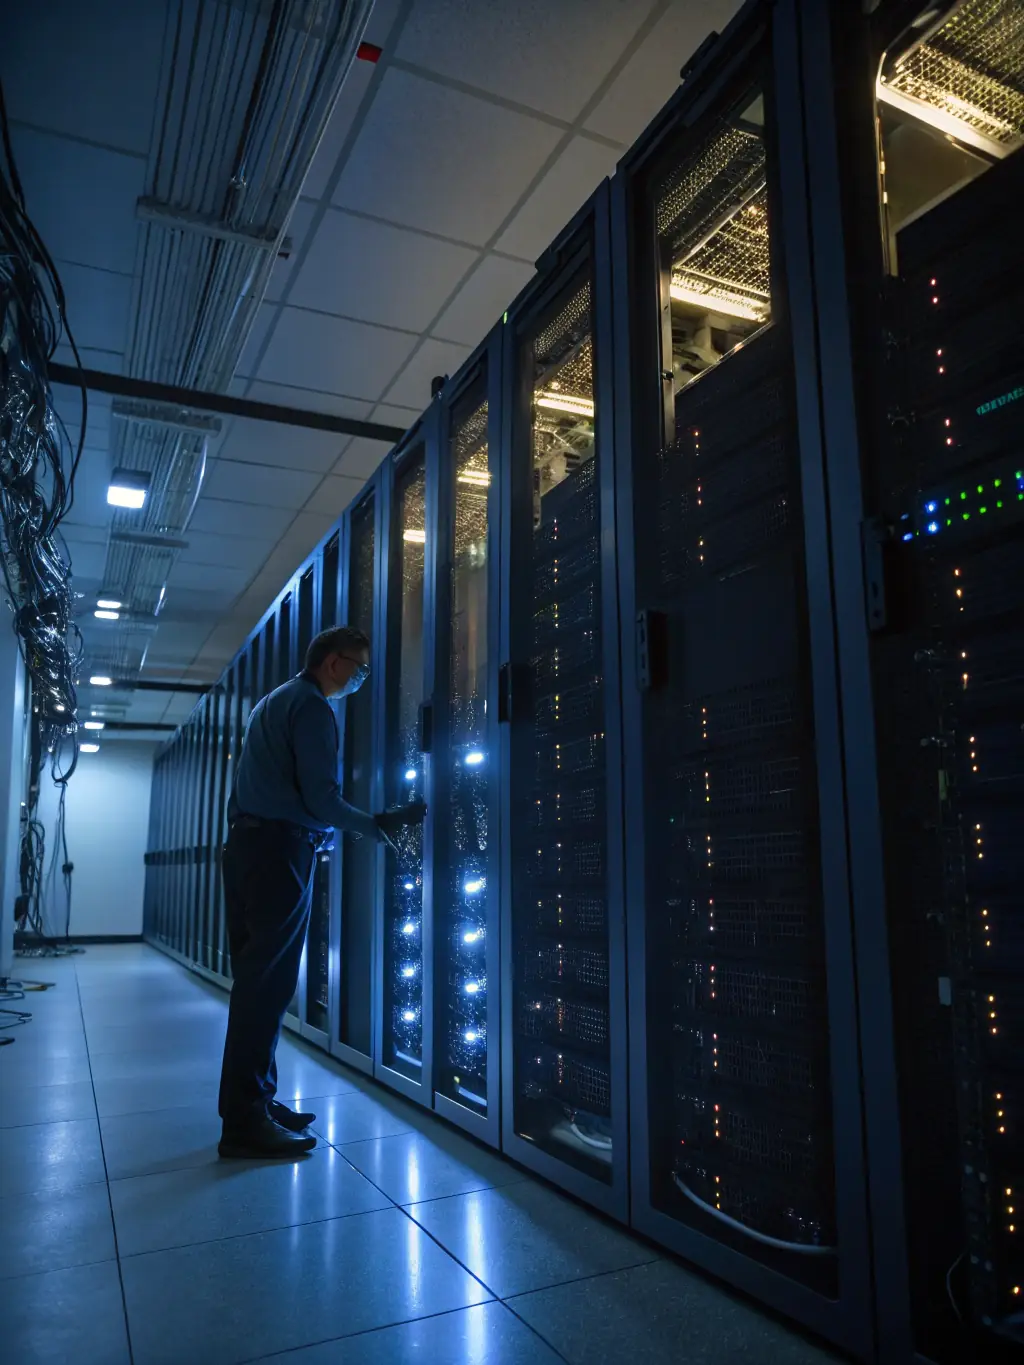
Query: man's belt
(317, 837)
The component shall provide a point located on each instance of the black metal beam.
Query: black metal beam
(124, 386)
(137, 725)
(152, 685)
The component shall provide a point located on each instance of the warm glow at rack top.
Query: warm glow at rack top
(718, 299)
(565, 402)
(479, 478)
(416, 536)
(951, 120)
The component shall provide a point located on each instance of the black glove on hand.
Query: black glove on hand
(391, 821)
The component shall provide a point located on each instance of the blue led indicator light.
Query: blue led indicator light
(474, 758)
(908, 535)
(931, 507)
(933, 526)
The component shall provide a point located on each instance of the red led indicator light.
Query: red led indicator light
(369, 52)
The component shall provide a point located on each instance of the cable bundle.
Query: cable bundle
(36, 485)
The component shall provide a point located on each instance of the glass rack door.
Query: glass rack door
(554, 694)
(403, 998)
(465, 903)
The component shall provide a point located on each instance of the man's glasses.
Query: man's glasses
(362, 671)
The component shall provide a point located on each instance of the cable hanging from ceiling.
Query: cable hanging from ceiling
(247, 89)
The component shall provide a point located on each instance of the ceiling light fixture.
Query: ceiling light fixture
(94, 725)
(102, 614)
(89, 748)
(109, 603)
(417, 537)
(128, 488)
(100, 680)
(566, 402)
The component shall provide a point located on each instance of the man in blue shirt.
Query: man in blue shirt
(285, 803)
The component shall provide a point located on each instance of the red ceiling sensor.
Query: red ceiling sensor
(369, 52)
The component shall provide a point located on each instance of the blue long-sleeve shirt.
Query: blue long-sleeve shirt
(288, 767)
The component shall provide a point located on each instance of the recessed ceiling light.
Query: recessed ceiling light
(128, 488)
(100, 680)
(89, 748)
(94, 725)
(109, 603)
(103, 614)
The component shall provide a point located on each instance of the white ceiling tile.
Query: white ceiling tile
(309, 400)
(298, 230)
(89, 70)
(368, 270)
(273, 443)
(357, 82)
(306, 530)
(205, 603)
(397, 414)
(563, 191)
(432, 359)
(230, 552)
(334, 355)
(78, 534)
(551, 57)
(258, 333)
(257, 483)
(185, 575)
(361, 458)
(435, 158)
(652, 75)
(88, 563)
(92, 357)
(481, 301)
(98, 305)
(82, 199)
(334, 495)
(240, 519)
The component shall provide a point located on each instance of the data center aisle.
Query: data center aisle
(123, 1238)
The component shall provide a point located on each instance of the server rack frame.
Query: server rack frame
(344, 1052)
(484, 364)
(771, 35)
(587, 237)
(420, 442)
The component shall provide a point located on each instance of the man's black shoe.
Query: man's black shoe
(288, 1118)
(263, 1138)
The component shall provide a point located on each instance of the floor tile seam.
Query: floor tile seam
(57, 1270)
(106, 1177)
(364, 1332)
(269, 1163)
(580, 1279)
(258, 1232)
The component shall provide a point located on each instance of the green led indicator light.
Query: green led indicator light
(1019, 474)
(949, 520)
(947, 502)
(981, 488)
(998, 483)
(999, 503)
(963, 496)
(967, 516)
(982, 510)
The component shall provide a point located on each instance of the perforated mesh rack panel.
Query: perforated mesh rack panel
(734, 903)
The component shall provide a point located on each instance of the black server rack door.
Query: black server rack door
(266, 679)
(209, 808)
(220, 822)
(329, 585)
(554, 697)
(739, 1112)
(403, 1002)
(359, 856)
(946, 484)
(307, 585)
(285, 662)
(462, 734)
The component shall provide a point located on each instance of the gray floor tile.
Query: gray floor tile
(356, 1116)
(46, 1104)
(525, 1237)
(50, 1156)
(485, 1335)
(412, 1167)
(658, 1313)
(160, 1140)
(175, 1069)
(131, 1039)
(25, 1071)
(66, 1315)
(300, 1074)
(145, 1094)
(54, 1229)
(235, 1198)
(253, 1296)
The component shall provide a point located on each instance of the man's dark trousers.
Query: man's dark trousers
(268, 886)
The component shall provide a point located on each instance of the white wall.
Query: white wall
(12, 783)
(107, 831)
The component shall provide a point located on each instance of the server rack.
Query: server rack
(403, 1051)
(563, 1004)
(745, 1103)
(464, 747)
(934, 351)
(356, 862)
